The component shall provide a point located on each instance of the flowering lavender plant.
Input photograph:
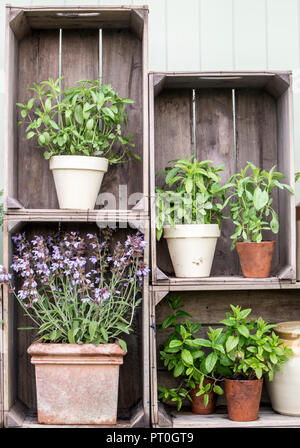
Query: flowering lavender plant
(79, 289)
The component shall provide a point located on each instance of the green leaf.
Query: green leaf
(179, 369)
(260, 198)
(78, 114)
(189, 185)
(92, 329)
(175, 343)
(218, 390)
(243, 330)
(231, 343)
(274, 224)
(30, 135)
(210, 361)
(122, 344)
(187, 357)
(48, 105)
(205, 400)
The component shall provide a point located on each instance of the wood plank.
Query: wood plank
(173, 138)
(256, 140)
(38, 60)
(210, 306)
(267, 419)
(123, 68)
(215, 141)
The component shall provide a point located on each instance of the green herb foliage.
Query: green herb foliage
(192, 193)
(182, 354)
(250, 200)
(88, 119)
(251, 349)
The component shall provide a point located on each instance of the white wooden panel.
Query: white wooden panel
(249, 23)
(183, 51)
(216, 35)
(282, 34)
(156, 34)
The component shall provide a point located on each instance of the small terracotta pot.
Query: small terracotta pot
(198, 402)
(256, 258)
(77, 384)
(243, 399)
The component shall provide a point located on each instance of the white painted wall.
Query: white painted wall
(209, 35)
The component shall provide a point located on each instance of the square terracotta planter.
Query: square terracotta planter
(77, 384)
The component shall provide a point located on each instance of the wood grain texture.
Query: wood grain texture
(215, 142)
(123, 69)
(256, 138)
(173, 138)
(38, 60)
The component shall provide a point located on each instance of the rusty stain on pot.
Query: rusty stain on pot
(243, 399)
(198, 402)
(77, 384)
(256, 258)
(198, 262)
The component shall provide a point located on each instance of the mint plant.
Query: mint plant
(181, 353)
(192, 193)
(88, 119)
(250, 202)
(251, 349)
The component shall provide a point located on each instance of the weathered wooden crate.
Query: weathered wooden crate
(18, 373)
(208, 308)
(95, 42)
(229, 118)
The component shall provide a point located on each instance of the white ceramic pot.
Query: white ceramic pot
(78, 180)
(284, 390)
(192, 248)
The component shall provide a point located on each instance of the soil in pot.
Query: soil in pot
(256, 258)
(198, 402)
(243, 399)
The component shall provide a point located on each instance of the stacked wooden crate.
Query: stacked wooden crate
(229, 118)
(79, 43)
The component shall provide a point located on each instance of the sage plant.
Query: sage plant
(79, 289)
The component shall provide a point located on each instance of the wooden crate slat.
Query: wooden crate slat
(267, 419)
(262, 119)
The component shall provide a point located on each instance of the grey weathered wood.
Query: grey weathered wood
(256, 124)
(267, 419)
(215, 141)
(263, 121)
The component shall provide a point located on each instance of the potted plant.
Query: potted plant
(182, 354)
(251, 211)
(81, 294)
(188, 214)
(78, 129)
(252, 350)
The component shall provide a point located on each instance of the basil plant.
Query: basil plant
(192, 194)
(250, 201)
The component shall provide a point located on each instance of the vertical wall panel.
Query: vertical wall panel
(282, 34)
(216, 35)
(183, 51)
(249, 28)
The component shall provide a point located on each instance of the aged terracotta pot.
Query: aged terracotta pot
(77, 383)
(256, 258)
(284, 390)
(243, 399)
(198, 403)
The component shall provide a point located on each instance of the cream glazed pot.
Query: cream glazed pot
(78, 180)
(284, 390)
(192, 248)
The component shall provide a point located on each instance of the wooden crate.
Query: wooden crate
(18, 372)
(233, 118)
(96, 42)
(209, 308)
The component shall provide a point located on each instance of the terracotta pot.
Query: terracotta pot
(284, 390)
(256, 258)
(198, 402)
(76, 383)
(243, 399)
